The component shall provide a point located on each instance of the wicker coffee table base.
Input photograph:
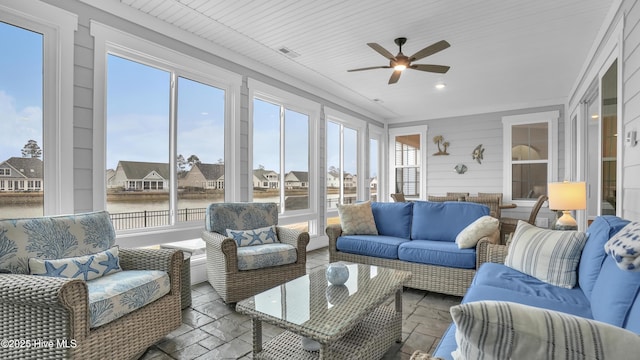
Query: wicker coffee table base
(370, 339)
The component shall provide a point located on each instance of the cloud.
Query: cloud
(17, 126)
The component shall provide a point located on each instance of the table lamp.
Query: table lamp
(567, 196)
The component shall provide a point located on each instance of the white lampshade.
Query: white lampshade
(567, 195)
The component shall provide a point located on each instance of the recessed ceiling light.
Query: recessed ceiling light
(440, 85)
(594, 116)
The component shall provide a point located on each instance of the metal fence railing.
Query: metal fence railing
(153, 218)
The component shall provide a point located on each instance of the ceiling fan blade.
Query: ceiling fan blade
(441, 69)
(430, 50)
(370, 68)
(382, 51)
(395, 76)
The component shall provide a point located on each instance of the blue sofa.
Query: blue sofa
(418, 237)
(604, 292)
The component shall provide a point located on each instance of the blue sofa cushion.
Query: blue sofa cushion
(393, 219)
(600, 231)
(632, 322)
(370, 245)
(447, 344)
(443, 221)
(614, 292)
(521, 284)
(442, 253)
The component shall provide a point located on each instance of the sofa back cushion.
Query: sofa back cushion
(443, 221)
(393, 219)
(614, 292)
(632, 323)
(600, 231)
(53, 237)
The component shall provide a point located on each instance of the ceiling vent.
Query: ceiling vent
(288, 52)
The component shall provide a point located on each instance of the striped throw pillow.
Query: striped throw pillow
(503, 330)
(549, 255)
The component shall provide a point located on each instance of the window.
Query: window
(283, 154)
(375, 162)
(529, 154)
(407, 160)
(165, 145)
(342, 164)
(280, 156)
(36, 106)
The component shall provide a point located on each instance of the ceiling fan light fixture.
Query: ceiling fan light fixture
(399, 67)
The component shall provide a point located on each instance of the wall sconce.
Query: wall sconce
(567, 196)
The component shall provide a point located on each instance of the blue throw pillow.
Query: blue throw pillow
(85, 267)
(393, 219)
(265, 235)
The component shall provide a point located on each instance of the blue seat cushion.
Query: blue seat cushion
(498, 279)
(614, 292)
(600, 231)
(442, 253)
(370, 245)
(117, 294)
(266, 255)
(443, 221)
(393, 219)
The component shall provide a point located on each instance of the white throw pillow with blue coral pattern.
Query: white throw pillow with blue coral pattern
(85, 267)
(265, 235)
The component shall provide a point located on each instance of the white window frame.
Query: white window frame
(549, 117)
(360, 127)
(109, 40)
(377, 133)
(265, 92)
(58, 29)
(422, 164)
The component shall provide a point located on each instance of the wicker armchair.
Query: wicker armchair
(398, 197)
(56, 309)
(508, 225)
(223, 252)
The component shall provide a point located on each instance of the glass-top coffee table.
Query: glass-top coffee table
(350, 321)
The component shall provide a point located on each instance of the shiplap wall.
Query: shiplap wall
(83, 118)
(631, 109)
(464, 133)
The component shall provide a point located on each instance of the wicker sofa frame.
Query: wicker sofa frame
(56, 309)
(440, 279)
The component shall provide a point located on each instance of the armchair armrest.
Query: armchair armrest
(43, 307)
(297, 238)
(220, 246)
(168, 260)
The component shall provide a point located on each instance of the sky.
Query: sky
(20, 90)
(138, 114)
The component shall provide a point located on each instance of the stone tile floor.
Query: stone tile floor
(213, 330)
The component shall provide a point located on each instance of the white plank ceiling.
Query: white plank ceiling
(504, 54)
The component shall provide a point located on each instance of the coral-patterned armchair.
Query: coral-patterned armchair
(62, 280)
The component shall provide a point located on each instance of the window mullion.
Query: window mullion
(282, 159)
(173, 140)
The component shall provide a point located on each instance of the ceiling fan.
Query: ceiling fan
(401, 61)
